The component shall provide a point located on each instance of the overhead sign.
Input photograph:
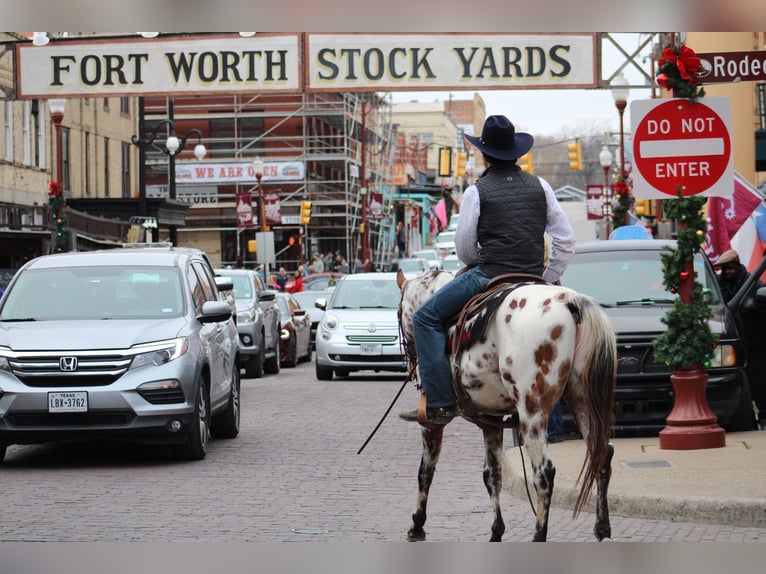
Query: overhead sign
(291, 62)
(238, 172)
(721, 67)
(682, 145)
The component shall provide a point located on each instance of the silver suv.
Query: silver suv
(124, 344)
(258, 321)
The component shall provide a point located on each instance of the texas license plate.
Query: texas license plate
(370, 349)
(68, 402)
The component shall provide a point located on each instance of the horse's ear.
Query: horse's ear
(400, 279)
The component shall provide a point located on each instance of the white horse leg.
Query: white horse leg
(432, 445)
(543, 473)
(493, 478)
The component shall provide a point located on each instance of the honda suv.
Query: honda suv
(127, 344)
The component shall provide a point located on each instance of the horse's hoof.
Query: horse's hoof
(416, 535)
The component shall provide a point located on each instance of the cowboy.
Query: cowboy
(503, 219)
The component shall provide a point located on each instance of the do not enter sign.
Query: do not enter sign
(682, 145)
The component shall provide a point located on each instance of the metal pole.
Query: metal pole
(142, 209)
(606, 199)
(172, 173)
(364, 235)
(261, 205)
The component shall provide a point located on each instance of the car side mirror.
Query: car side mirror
(321, 304)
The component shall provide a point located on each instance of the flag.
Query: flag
(750, 240)
(727, 215)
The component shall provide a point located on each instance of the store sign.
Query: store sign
(238, 172)
(198, 64)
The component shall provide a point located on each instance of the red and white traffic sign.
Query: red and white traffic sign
(680, 144)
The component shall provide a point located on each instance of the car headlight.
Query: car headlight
(246, 316)
(160, 352)
(284, 334)
(723, 356)
(4, 365)
(330, 322)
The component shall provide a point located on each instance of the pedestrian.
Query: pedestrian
(401, 239)
(318, 263)
(343, 267)
(297, 285)
(361, 265)
(504, 217)
(732, 275)
(281, 279)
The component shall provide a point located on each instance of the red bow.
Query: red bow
(686, 61)
(54, 189)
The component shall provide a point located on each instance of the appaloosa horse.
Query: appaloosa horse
(520, 350)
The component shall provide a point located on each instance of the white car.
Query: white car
(359, 330)
(444, 243)
(452, 263)
(431, 256)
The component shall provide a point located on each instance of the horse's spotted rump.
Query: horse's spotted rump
(556, 332)
(522, 303)
(507, 318)
(564, 369)
(514, 305)
(544, 356)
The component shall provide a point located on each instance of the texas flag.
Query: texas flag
(735, 222)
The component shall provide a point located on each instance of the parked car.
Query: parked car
(452, 225)
(360, 327)
(122, 344)
(320, 281)
(307, 300)
(452, 263)
(626, 278)
(431, 256)
(410, 265)
(258, 321)
(295, 336)
(444, 243)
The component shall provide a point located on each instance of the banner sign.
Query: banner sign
(595, 201)
(721, 67)
(271, 207)
(376, 206)
(238, 172)
(204, 63)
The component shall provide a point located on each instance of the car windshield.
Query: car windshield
(428, 255)
(617, 278)
(243, 286)
(408, 265)
(366, 294)
(94, 293)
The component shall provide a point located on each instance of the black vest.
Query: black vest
(512, 221)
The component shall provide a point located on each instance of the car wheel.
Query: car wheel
(195, 447)
(743, 418)
(307, 357)
(226, 424)
(323, 373)
(271, 365)
(254, 366)
(291, 360)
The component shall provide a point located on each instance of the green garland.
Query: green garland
(677, 71)
(57, 202)
(688, 340)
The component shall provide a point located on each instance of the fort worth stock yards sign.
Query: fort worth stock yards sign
(304, 61)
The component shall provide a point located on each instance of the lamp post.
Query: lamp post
(173, 146)
(258, 168)
(620, 92)
(57, 107)
(605, 159)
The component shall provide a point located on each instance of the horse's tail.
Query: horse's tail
(596, 356)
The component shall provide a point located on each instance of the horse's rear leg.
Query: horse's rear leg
(543, 473)
(493, 478)
(432, 445)
(603, 528)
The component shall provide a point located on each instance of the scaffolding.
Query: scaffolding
(323, 131)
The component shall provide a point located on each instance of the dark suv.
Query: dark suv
(259, 322)
(127, 344)
(626, 277)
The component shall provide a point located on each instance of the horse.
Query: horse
(540, 342)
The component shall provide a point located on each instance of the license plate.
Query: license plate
(69, 402)
(370, 349)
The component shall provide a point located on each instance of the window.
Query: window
(106, 104)
(26, 132)
(106, 167)
(86, 152)
(66, 163)
(37, 134)
(125, 170)
(124, 106)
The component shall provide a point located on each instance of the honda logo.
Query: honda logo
(68, 363)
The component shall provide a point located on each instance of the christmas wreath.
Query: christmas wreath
(688, 340)
(624, 198)
(57, 202)
(677, 71)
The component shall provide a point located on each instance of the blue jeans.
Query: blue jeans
(429, 323)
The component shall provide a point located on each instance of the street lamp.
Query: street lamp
(605, 159)
(172, 147)
(258, 169)
(57, 107)
(620, 92)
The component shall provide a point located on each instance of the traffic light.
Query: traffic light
(305, 212)
(575, 155)
(460, 164)
(445, 161)
(525, 163)
(291, 241)
(252, 246)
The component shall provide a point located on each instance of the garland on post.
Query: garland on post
(677, 71)
(625, 200)
(688, 340)
(57, 202)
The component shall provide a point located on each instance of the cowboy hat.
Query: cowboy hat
(499, 139)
